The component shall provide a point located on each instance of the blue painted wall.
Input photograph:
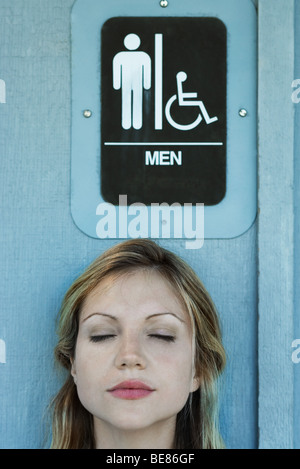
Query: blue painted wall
(42, 250)
(297, 233)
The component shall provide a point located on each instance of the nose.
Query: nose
(130, 354)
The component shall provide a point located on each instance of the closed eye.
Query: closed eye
(101, 338)
(166, 338)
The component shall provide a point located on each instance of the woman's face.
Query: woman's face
(133, 363)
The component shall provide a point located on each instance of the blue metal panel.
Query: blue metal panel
(43, 251)
(237, 211)
(276, 224)
(297, 231)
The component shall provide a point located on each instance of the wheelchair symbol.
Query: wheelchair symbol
(184, 99)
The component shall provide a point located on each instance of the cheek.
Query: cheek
(89, 380)
(177, 370)
(89, 367)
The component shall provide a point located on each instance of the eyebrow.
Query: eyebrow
(162, 314)
(148, 317)
(100, 314)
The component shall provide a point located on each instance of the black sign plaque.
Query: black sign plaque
(163, 110)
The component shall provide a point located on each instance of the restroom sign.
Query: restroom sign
(163, 110)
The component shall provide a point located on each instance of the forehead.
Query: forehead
(138, 293)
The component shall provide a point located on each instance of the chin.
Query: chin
(132, 423)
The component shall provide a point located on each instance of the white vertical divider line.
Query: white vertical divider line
(158, 81)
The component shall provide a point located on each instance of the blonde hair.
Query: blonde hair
(197, 422)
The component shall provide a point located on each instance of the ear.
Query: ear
(195, 384)
(73, 369)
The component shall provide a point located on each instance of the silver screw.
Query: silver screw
(164, 3)
(87, 113)
(243, 112)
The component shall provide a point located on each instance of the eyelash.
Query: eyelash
(166, 338)
(102, 338)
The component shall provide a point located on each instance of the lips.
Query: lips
(131, 390)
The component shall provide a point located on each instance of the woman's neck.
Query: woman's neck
(158, 436)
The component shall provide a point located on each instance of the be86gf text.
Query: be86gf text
(160, 458)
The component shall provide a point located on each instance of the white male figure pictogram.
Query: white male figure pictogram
(132, 74)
